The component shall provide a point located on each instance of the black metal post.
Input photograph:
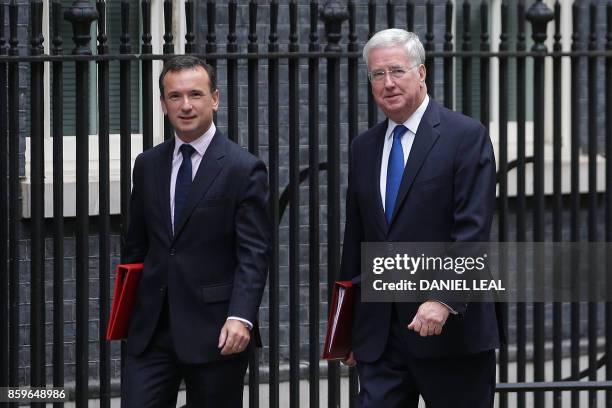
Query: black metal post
(430, 46)
(592, 197)
(273, 161)
(104, 207)
(4, 234)
(372, 108)
(557, 202)
(253, 112)
(608, 200)
(294, 212)
(390, 14)
(81, 15)
(168, 49)
(37, 160)
(484, 64)
(232, 75)
(14, 198)
(190, 46)
(466, 62)
(333, 14)
(448, 61)
(314, 281)
(538, 15)
(502, 201)
(521, 201)
(575, 193)
(147, 77)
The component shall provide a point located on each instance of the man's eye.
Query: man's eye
(378, 74)
(398, 71)
(174, 97)
(196, 95)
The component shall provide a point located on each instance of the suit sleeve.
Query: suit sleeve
(350, 264)
(253, 232)
(474, 192)
(136, 243)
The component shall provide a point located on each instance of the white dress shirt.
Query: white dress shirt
(412, 124)
(200, 145)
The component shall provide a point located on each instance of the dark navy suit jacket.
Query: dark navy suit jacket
(447, 194)
(214, 265)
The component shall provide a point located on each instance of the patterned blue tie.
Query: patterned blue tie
(183, 181)
(395, 170)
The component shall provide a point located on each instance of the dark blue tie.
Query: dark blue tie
(183, 181)
(395, 170)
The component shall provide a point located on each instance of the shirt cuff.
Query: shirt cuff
(450, 309)
(245, 321)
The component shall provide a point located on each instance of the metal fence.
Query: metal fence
(524, 213)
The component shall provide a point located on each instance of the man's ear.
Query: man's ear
(422, 73)
(163, 105)
(215, 99)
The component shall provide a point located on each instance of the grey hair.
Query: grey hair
(396, 37)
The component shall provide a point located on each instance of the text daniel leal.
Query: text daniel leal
(441, 284)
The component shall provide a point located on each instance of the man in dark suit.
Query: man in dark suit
(199, 222)
(425, 174)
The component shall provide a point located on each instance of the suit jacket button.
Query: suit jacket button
(172, 251)
(162, 288)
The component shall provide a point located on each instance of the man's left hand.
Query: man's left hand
(429, 319)
(234, 337)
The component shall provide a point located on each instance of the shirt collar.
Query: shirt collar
(412, 123)
(200, 144)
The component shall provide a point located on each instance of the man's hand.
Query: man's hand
(350, 360)
(430, 318)
(234, 337)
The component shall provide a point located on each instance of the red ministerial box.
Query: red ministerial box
(340, 322)
(126, 287)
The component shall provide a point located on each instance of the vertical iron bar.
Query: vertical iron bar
(294, 213)
(333, 15)
(313, 213)
(190, 46)
(4, 236)
(466, 62)
(390, 14)
(521, 201)
(430, 46)
(448, 61)
(538, 15)
(484, 64)
(81, 15)
(37, 160)
(253, 114)
(14, 198)
(575, 192)
(372, 108)
(557, 202)
(147, 77)
(211, 37)
(353, 131)
(232, 75)
(273, 159)
(592, 197)
(608, 200)
(502, 212)
(168, 49)
(104, 191)
(410, 15)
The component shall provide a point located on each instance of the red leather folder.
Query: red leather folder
(340, 322)
(126, 286)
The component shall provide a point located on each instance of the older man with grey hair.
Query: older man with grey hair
(424, 174)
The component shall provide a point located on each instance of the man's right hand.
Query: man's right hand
(350, 360)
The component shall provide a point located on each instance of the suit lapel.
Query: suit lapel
(164, 172)
(425, 138)
(376, 150)
(210, 166)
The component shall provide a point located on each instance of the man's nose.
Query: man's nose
(186, 104)
(389, 82)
